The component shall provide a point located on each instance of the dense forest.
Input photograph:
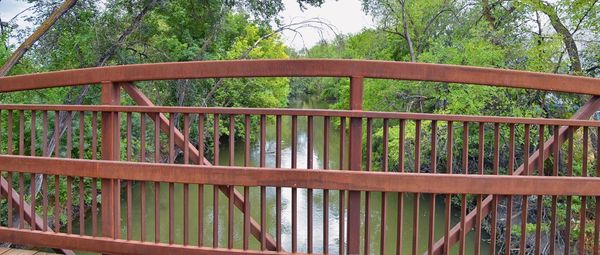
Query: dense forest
(534, 35)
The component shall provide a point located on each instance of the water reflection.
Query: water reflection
(302, 216)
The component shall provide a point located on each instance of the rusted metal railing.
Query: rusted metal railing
(514, 172)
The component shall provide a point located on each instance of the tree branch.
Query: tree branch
(567, 36)
(294, 26)
(39, 32)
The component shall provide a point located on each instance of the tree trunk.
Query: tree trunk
(64, 116)
(566, 35)
(487, 13)
(18, 54)
(411, 49)
(39, 32)
(100, 62)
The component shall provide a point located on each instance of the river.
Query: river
(286, 201)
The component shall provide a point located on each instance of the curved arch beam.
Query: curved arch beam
(305, 68)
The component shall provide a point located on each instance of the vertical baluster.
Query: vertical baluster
(216, 188)
(556, 147)
(56, 177)
(294, 190)
(56, 134)
(385, 167)
(94, 134)
(9, 133)
(32, 176)
(94, 206)
(342, 195)
(157, 138)
(480, 164)
(81, 135)
(524, 199)
(129, 202)
(326, 127)
(21, 133)
(21, 175)
(309, 192)
(201, 186)
(495, 169)
(128, 136)
(45, 202)
(569, 198)
(44, 176)
(157, 184)
(32, 200)
(231, 187)
(32, 133)
(9, 177)
(81, 207)
(449, 167)
(9, 180)
(171, 184)
(278, 189)
(142, 183)
(69, 205)
(45, 152)
(417, 197)
(369, 164)
(186, 188)
(246, 188)
(21, 200)
(463, 198)
(509, 198)
(56, 203)
(129, 182)
(142, 137)
(117, 183)
(583, 210)
(400, 213)
(278, 205)
(94, 181)
(81, 179)
(432, 206)
(69, 124)
(540, 201)
(263, 189)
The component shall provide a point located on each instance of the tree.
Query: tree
(39, 32)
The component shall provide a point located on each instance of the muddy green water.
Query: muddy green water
(333, 217)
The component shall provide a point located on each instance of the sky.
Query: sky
(10, 8)
(342, 17)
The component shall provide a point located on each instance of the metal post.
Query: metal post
(110, 151)
(355, 164)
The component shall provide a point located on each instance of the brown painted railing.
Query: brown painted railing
(506, 167)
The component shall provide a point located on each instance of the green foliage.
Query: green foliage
(106, 33)
(265, 92)
(446, 32)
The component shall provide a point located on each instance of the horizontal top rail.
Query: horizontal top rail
(304, 112)
(304, 68)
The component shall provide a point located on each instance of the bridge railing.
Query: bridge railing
(501, 170)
